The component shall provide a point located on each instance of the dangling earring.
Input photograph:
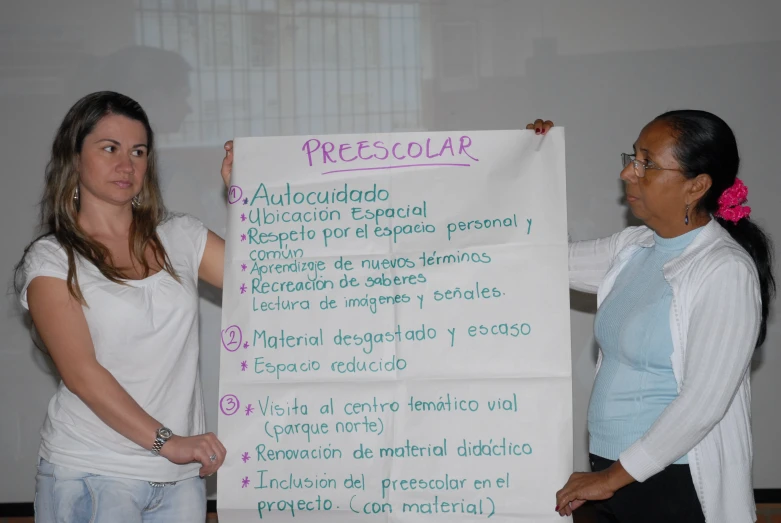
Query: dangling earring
(135, 202)
(76, 194)
(686, 218)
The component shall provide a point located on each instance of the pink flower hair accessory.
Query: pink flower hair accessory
(731, 203)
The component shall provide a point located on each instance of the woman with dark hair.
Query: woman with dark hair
(112, 288)
(682, 304)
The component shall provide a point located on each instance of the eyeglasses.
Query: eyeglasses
(641, 166)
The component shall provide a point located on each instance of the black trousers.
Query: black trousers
(667, 497)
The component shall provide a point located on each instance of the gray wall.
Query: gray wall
(601, 68)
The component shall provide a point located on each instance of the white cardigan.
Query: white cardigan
(714, 320)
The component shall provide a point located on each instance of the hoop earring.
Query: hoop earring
(76, 194)
(686, 217)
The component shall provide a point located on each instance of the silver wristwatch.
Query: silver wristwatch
(163, 435)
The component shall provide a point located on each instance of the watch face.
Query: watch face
(164, 432)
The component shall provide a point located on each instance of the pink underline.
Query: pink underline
(401, 166)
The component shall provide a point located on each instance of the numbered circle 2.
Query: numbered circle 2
(231, 338)
(229, 404)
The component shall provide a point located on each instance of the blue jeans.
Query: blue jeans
(64, 495)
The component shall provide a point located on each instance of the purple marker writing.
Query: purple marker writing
(231, 338)
(234, 194)
(439, 153)
(229, 404)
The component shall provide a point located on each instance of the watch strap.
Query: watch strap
(160, 440)
(157, 445)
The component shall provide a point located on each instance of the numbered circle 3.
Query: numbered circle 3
(229, 404)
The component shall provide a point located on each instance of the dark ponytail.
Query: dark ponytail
(706, 144)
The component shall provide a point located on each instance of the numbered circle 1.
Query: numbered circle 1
(234, 194)
(229, 404)
(231, 338)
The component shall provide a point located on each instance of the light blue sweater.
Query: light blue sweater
(635, 382)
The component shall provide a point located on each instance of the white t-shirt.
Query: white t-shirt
(145, 334)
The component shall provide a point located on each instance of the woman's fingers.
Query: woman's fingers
(570, 507)
(223, 451)
(219, 451)
(568, 498)
(540, 126)
(196, 449)
(210, 453)
(227, 163)
(562, 499)
(203, 455)
(583, 486)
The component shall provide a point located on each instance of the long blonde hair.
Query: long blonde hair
(60, 207)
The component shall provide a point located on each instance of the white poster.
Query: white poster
(396, 341)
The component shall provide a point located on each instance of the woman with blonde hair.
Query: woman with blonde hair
(112, 288)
